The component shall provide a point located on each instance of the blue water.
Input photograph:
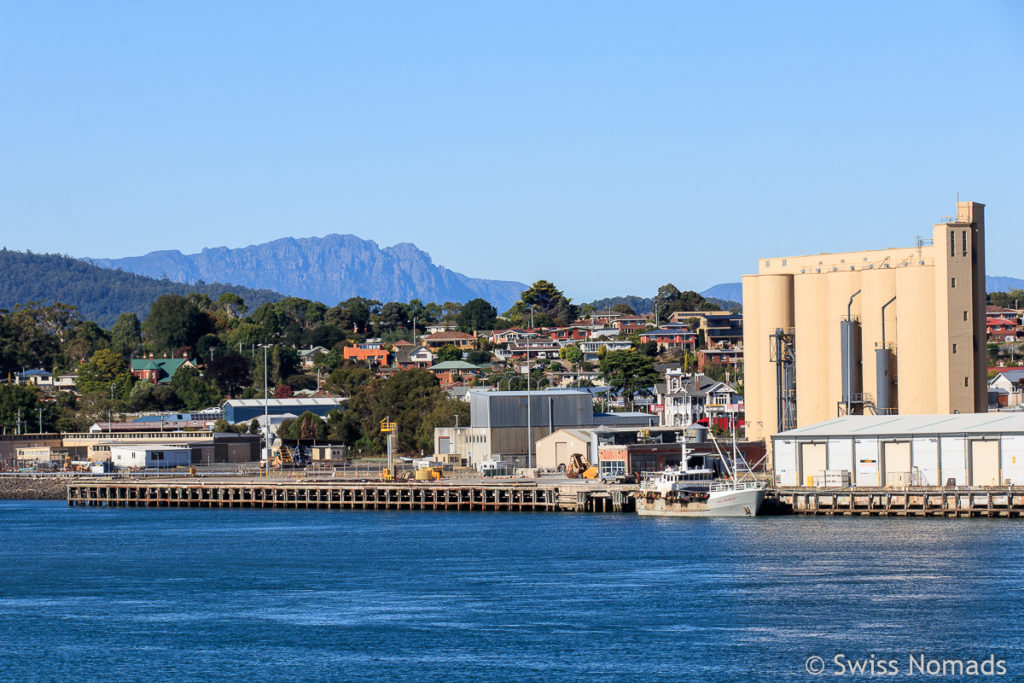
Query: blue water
(137, 594)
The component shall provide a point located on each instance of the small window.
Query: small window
(965, 316)
(965, 243)
(954, 348)
(783, 261)
(952, 243)
(967, 381)
(953, 285)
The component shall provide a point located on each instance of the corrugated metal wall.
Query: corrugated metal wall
(547, 409)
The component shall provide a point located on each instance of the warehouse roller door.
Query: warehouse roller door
(897, 463)
(812, 460)
(1013, 460)
(984, 463)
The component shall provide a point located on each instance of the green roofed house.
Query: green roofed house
(158, 370)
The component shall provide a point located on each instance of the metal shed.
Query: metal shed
(976, 449)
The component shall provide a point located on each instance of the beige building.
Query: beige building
(871, 332)
(557, 448)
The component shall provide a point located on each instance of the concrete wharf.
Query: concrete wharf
(515, 496)
(914, 502)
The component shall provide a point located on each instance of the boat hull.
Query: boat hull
(740, 503)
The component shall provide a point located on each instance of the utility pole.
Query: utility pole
(40, 420)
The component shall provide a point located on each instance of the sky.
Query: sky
(609, 147)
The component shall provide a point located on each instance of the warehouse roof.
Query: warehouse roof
(911, 425)
(283, 402)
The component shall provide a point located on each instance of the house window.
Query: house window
(965, 316)
(952, 243)
(965, 243)
(967, 381)
(954, 348)
(953, 283)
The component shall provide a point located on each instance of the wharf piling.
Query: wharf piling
(350, 496)
(914, 502)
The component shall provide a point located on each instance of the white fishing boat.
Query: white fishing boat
(694, 489)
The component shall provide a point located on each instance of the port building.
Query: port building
(903, 450)
(882, 332)
(504, 423)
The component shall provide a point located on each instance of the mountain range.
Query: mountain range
(327, 269)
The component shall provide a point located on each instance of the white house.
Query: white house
(686, 398)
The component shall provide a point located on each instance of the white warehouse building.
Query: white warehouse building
(971, 449)
(151, 455)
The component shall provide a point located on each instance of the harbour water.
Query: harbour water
(188, 594)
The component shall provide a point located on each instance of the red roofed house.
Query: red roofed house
(459, 340)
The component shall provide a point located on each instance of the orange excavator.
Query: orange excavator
(578, 468)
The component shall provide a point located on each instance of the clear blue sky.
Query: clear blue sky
(608, 147)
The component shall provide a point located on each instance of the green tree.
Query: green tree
(447, 413)
(230, 372)
(307, 427)
(549, 306)
(448, 352)
(174, 322)
(126, 336)
(477, 314)
(629, 372)
(348, 379)
(105, 369)
(19, 401)
(193, 390)
(221, 426)
(571, 353)
(478, 357)
(624, 309)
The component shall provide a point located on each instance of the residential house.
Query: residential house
(408, 357)
(435, 328)
(158, 370)
(731, 358)
(454, 372)
(1000, 329)
(459, 340)
(628, 324)
(592, 349)
(306, 355)
(722, 329)
(538, 349)
(687, 398)
(37, 378)
(572, 334)
(671, 338)
(1006, 388)
(372, 356)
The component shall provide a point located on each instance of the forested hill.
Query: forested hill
(99, 293)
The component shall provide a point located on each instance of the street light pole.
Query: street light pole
(266, 412)
(529, 400)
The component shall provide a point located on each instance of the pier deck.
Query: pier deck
(915, 502)
(352, 496)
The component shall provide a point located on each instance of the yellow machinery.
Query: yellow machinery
(578, 468)
(385, 474)
(429, 474)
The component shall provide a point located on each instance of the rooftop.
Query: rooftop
(911, 425)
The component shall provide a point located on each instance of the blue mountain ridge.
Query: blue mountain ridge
(328, 269)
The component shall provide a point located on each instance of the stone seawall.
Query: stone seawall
(34, 488)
